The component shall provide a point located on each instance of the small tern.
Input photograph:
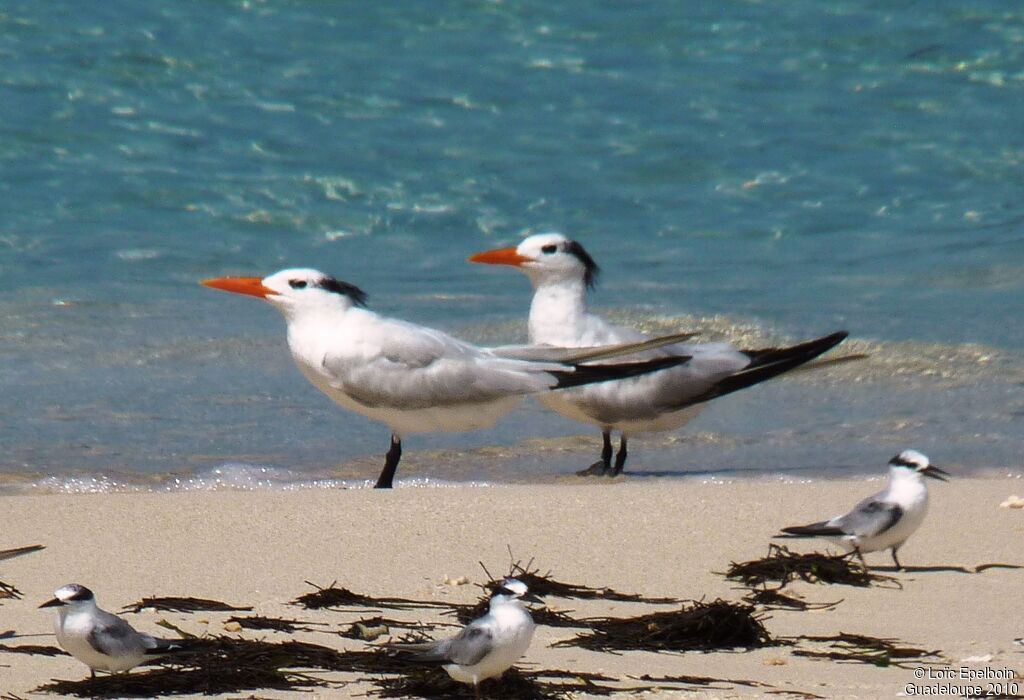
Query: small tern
(412, 378)
(487, 646)
(562, 272)
(885, 520)
(18, 551)
(99, 639)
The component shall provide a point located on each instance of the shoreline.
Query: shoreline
(654, 537)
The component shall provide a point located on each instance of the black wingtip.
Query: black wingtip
(592, 374)
(768, 363)
(815, 530)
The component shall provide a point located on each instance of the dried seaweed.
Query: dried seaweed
(433, 682)
(333, 597)
(696, 626)
(217, 665)
(771, 598)
(783, 566)
(32, 649)
(363, 627)
(183, 604)
(277, 624)
(545, 586)
(860, 648)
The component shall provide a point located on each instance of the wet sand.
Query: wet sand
(660, 537)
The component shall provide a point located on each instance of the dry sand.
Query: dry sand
(652, 536)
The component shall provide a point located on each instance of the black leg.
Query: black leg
(620, 458)
(899, 567)
(387, 475)
(605, 463)
(476, 691)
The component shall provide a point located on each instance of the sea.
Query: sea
(761, 171)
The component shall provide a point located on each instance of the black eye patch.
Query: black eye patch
(505, 591)
(297, 284)
(549, 249)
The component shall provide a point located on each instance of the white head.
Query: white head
(71, 596)
(914, 464)
(546, 258)
(295, 291)
(511, 590)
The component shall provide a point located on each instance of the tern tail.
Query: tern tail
(591, 374)
(822, 529)
(767, 363)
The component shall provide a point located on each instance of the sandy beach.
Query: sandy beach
(651, 536)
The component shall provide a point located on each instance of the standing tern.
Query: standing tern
(487, 646)
(562, 272)
(411, 378)
(885, 520)
(99, 639)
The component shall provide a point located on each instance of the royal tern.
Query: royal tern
(487, 646)
(99, 639)
(885, 520)
(562, 272)
(412, 378)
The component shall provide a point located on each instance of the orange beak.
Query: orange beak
(501, 256)
(251, 286)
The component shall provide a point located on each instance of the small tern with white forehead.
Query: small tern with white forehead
(487, 646)
(885, 520)
(412, 378)
(562, 272)
(99, 639)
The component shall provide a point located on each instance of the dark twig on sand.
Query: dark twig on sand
(545, 586)
(773, 599)
(699, 681)
(9, 591)
(860, 648)
(277, 624)
(783, 566)
(183, 604)
(333, 597)
(696, 626)
(32, 649)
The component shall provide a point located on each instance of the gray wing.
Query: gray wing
(470, 645)
(114, 637)
(870, 517)
(466, 648)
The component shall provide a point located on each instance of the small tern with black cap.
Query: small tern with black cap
(487, 646)
(99, 639)
(412, 378)
(885, 520)
(562, 272)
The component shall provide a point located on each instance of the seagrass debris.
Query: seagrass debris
(183, 604)
(696, 626)
(782, 566)
(545, 586)
(333, 597)
(514, 684)
(276, 624)
(771, 598)
(861, 648)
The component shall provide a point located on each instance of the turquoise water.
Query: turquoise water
(760, 170)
